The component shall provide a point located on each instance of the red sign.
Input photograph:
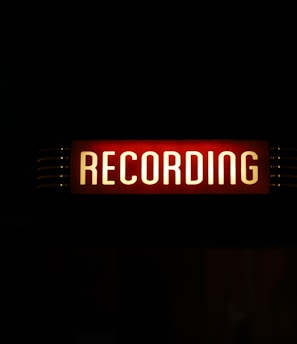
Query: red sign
(170, 167)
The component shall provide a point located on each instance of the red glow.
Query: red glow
(170, 167)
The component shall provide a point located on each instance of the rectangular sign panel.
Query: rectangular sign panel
(170, 167)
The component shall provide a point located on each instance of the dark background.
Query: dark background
(134, 264)
(68, 74)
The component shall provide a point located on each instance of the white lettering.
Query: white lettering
(210, 168)
(84, 167)
(147, 168)
(199, 179)
(106, 168)
(175, 167)
(221, 161)
(252, 168)
(144, 168)
(123, 168)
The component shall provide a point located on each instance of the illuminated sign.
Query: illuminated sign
(170, 167)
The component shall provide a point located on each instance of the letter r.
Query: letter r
(84, 167)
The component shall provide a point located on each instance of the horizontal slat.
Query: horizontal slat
(61, 185)
(49, 167)
(53, 158)
(53, 149)
(49, 176)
